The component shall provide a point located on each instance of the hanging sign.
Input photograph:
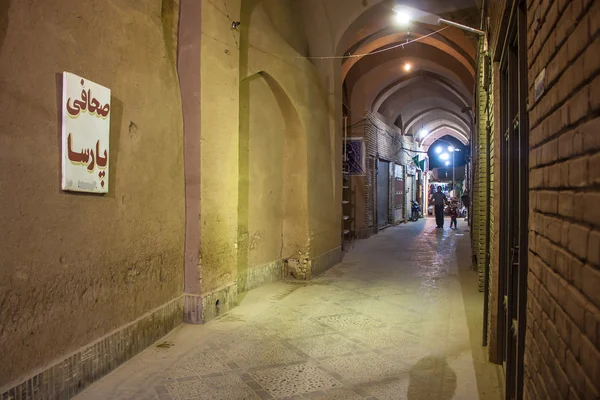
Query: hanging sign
(85, 135)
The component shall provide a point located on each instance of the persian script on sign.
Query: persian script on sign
(85, 135)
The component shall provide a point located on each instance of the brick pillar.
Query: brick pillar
(481, 163)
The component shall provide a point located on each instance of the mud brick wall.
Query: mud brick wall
(563, 308)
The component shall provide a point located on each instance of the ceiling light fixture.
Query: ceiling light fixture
(438, 149)
(402, 17)
(461, 26)
(469, 29)
(407, 67)
(444, 156)
(423, 133)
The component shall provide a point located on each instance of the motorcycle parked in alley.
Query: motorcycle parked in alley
(415, 211)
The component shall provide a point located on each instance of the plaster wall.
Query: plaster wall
(74, 267)
(219, 145)
(303, 99)
(267, 148)
(277, 223)
(266, 140)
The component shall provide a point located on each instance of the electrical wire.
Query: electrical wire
(353, 112)
(362, 121)
(400, 45)
(414, 151)
(376, 51)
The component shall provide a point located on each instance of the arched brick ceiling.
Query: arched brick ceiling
(420, 53)
(437, 93)
(451, 90)
(391, 36)
(377, 15)
(441, 131)
(416, 30)
(372, 81)
(433, 117)
(412, 100)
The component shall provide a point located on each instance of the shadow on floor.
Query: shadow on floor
(431, 378)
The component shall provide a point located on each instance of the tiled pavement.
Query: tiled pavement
(398, 319)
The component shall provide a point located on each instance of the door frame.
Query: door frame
(379, 160)
(395, 195)
(514, 201)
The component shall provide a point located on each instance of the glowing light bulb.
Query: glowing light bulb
(444, 156)
(402, 17)
(438, 149)
(407, 67)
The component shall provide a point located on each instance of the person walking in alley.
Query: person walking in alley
(465, 199)
(439, 199)
(454, 214)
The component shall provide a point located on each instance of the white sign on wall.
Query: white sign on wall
(540, 84)
(85, 135)
(398, 172)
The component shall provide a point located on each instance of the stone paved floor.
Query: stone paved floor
(400, 318)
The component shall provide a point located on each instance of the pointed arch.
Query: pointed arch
(444, 112)
(417, 77)
(273, 175)
(441, 131)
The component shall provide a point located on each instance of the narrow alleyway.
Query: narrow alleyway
(399, 318)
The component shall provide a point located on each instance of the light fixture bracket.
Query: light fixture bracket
(469, 29)
(461, 26)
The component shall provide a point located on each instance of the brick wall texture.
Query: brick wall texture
(562, 349)
(481, 163)
(562, 357)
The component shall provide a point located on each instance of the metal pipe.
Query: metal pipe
(461, 26)
(453, 188)
(345, 136)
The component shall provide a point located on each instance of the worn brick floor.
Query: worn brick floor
(400, 318)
